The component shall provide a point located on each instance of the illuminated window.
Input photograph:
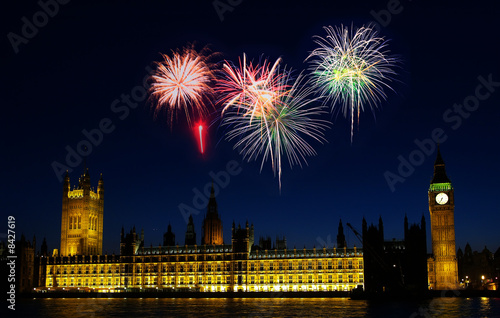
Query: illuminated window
(290, 279)
(262, 279)
(320, 279)
(360, 264)
(218, 280)
(329, 278)
(309, 279)
(350, 264)
(300, 279)
(350, 278)
(252, 279)
(309, 265)
(290, 265)
(271, 279)
(340, 278)
(281, 279)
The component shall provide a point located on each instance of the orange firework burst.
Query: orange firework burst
(182, 81)
(269, 114)
(255, 89)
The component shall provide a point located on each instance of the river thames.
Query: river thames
(256, 307)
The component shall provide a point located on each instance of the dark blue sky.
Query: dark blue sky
(66, 77)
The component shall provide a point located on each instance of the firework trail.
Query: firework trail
(182, 82)
(200, 130)
(269, 116)
(351, 69)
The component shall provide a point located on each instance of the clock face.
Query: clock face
(441, 198)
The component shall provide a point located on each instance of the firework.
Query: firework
(249, 87)
(182, 82)
(269, 117)
(200, 131)
(351, 69)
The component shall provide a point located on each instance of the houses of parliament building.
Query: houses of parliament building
(242, 264)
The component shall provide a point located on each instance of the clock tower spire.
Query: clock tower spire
(442, 266)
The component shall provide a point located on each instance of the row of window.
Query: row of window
(330, 279)
(263, 266)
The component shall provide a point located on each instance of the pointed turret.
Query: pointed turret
(381, 228)
(100, 188)
(439, 170)
(66, 184)
(169, 237)
(212, 224)
(190, 238)
(212, 203)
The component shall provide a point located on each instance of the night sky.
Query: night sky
(67, 76)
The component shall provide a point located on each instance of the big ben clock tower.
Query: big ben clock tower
(442, 267)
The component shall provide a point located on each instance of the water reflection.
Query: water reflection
(252, 307)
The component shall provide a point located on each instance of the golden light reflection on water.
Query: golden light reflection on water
(257, 307)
